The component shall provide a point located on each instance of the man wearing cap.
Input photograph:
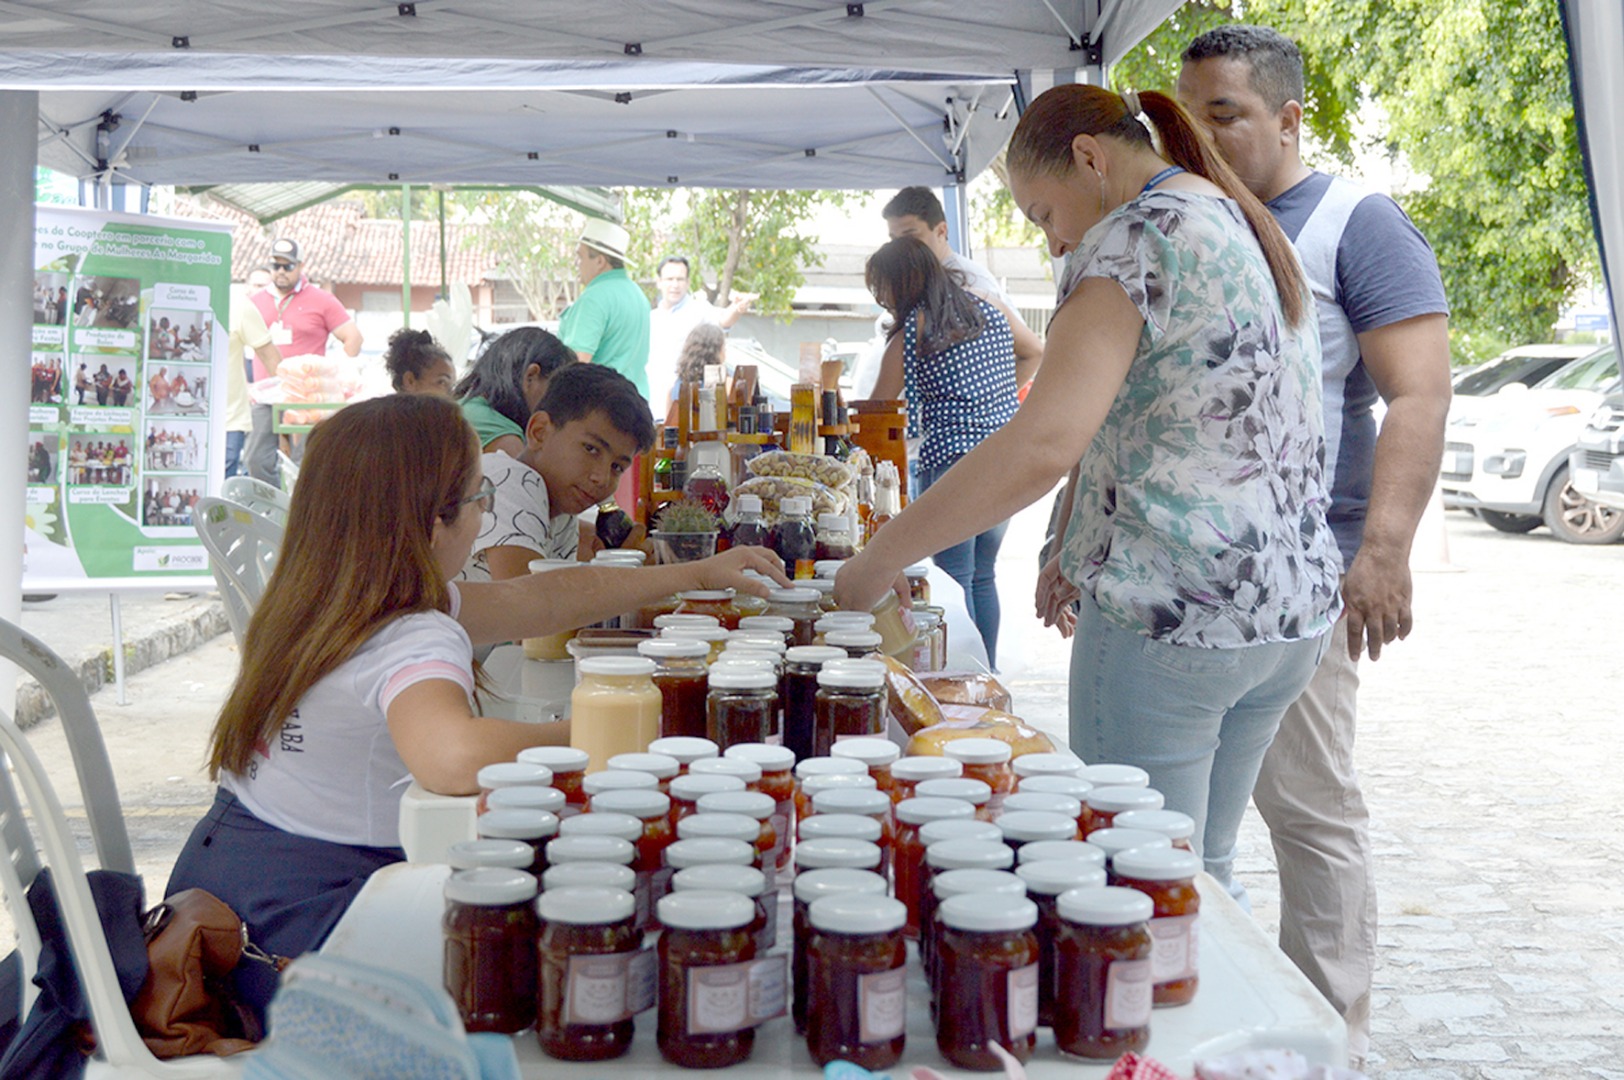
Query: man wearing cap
(608, 323)
(299, 316)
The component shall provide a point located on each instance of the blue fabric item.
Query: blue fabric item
(973, 564)
(290, 891)
(48, 1046)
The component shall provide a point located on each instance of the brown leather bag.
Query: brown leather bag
(187, 1005)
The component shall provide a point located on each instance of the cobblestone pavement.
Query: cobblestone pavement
(1486, 747)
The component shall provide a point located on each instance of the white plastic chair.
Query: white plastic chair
(242, 547)
(121, 1053)
(287, 471)
(264, 499)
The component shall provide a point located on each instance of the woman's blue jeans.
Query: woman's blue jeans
(1198, 720)
(972, 565)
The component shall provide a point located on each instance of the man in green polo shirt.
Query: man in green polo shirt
(608, 323)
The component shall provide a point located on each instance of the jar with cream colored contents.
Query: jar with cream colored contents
(549, 799)
(590, 875)
(777, 764)
(872, 804)
(1167, 876)
(686, 792)
(595, 784)
(660, 766)
(1045, 881)
(811, 886)
(703, 1018)
(1069, 786)
(569, 767)
(533, 828)
(1115, 841)
(878, 755)
(800, 606)
(895, 625)
(986, 760)
(490, 948)
(751, 804)
(742, 706)
(907, 773)
(839, 827)
(945, 857)
(964, 788)
(851, 703)
(856, 982)
(908, 849)
(1105, 803)
(653, 810)
(615, 708)
(807, 768)
(681, 676)
(1103, 996)
(801, 667)
(497, 854)
(747, 881)
(586, 953)
(687, 749)
(1021, 827)
(509, 774)
(1178, 828)
(987, 979)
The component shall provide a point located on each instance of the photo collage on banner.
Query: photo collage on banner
(123, 416)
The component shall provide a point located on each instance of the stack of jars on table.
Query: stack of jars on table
(1069, 902)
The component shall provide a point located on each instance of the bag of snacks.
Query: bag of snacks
(774, 489)
(910, 704)
(817, 468)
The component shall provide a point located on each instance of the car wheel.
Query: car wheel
(1576, 519)
(1510, 523)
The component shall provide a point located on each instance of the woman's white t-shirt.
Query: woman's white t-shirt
(332, 772)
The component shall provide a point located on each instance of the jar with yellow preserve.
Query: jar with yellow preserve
(550, 646)
(895, 625)
(615, 709)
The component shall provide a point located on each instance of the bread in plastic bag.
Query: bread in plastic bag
(971, 722)
(967, 688)
(910, 704)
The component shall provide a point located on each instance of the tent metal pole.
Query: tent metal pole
(445, 284)
(406, 255)
(956, 205)
(19, 127)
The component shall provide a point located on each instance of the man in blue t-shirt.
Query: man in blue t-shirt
(1384, 332)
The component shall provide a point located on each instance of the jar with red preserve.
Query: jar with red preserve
(588, 968)
(569, 767)
(534, 828)
(686, 792)
(950, 856)
(777, 764)
(807, 768)
(590, 875)
(1054, 764)
(1069, 786)
(1116, 841)
(500, 854)
(747, 771)
(878, 755)
(1045, 881)
(683, 680)
(986, 760)
(752, 804)
(987, 979)
(856, 982)
(653, 810)
(719, 604)
(851, 703)
(1177, 827)
(875, 805)
(1045, 803)
(703, 1017)
(509, 774)
(825, 853)
(687, 749)
(829, 781)
(708, 850)
(908, 772)
(595, 784)
(713, 637)
(1167, 876)
(908, 849)
(746, 881)
(1079, 850)
(966, 789)
(1021, 827)
(591, 849)
(490, 948)
(1105, 803)
(839, 827)
(660, 766)
(742, 705)
(1103, 994)
(811, 886)
(549, 799)
(1108, 774)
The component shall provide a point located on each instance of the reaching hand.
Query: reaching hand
(726, 571)
(861, 583)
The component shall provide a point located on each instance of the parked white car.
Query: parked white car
(1597, 464)
(1506, 455)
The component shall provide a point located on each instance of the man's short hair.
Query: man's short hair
(916, 201)
(1276, 63)
(577, 390)
(669, 259)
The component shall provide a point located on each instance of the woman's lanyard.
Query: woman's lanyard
(1171, 170)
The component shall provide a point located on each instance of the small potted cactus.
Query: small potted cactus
(685, 531)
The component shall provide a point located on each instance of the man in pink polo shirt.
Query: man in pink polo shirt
(300, 317)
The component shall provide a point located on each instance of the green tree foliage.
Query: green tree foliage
(533, 240)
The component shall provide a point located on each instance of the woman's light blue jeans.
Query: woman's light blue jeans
(1198, 720)
(973, 565)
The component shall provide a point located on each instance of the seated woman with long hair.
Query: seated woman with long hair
(357, 669)
(507, 382)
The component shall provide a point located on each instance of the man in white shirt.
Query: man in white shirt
(680, 310)
(917, 212)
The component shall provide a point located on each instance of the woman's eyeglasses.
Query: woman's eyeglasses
(485, 497)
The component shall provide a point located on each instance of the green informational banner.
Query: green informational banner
(126, 414)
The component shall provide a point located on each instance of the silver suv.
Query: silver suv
(1596, 465)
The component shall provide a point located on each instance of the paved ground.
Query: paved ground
(1486, 748)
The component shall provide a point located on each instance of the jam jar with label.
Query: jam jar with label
(569, 766)
(687, 749)
(509, 774)
(810, 886)
(945, 856)
(856, 982)
(534, 828)
(742, 705)
(908, 848)
(660, 766)
(751, 804)
(1046, 880)
(801, 666)
(1178, 828)
(653, 810)
(589, 875)
(777, 765)
(1167, 876)
(686, 792)
(875, 805)
(987, 977)
(1105, 803)
(681, 676)
(1103, 995)
(876, 754)
(704, 1014)
(490, 948)
(986, 760)
(851, 703)
(744, 880)
(588, 973)
(908, 772)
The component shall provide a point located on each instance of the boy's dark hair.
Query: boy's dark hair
(498, 374)
(412, 350)
(1275, 62)
(916, 201)
(581, 389)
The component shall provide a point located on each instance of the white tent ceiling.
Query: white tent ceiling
(713, 93)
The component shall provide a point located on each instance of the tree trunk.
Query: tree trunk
(735, 245)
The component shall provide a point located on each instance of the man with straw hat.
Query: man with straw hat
(608, 323)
